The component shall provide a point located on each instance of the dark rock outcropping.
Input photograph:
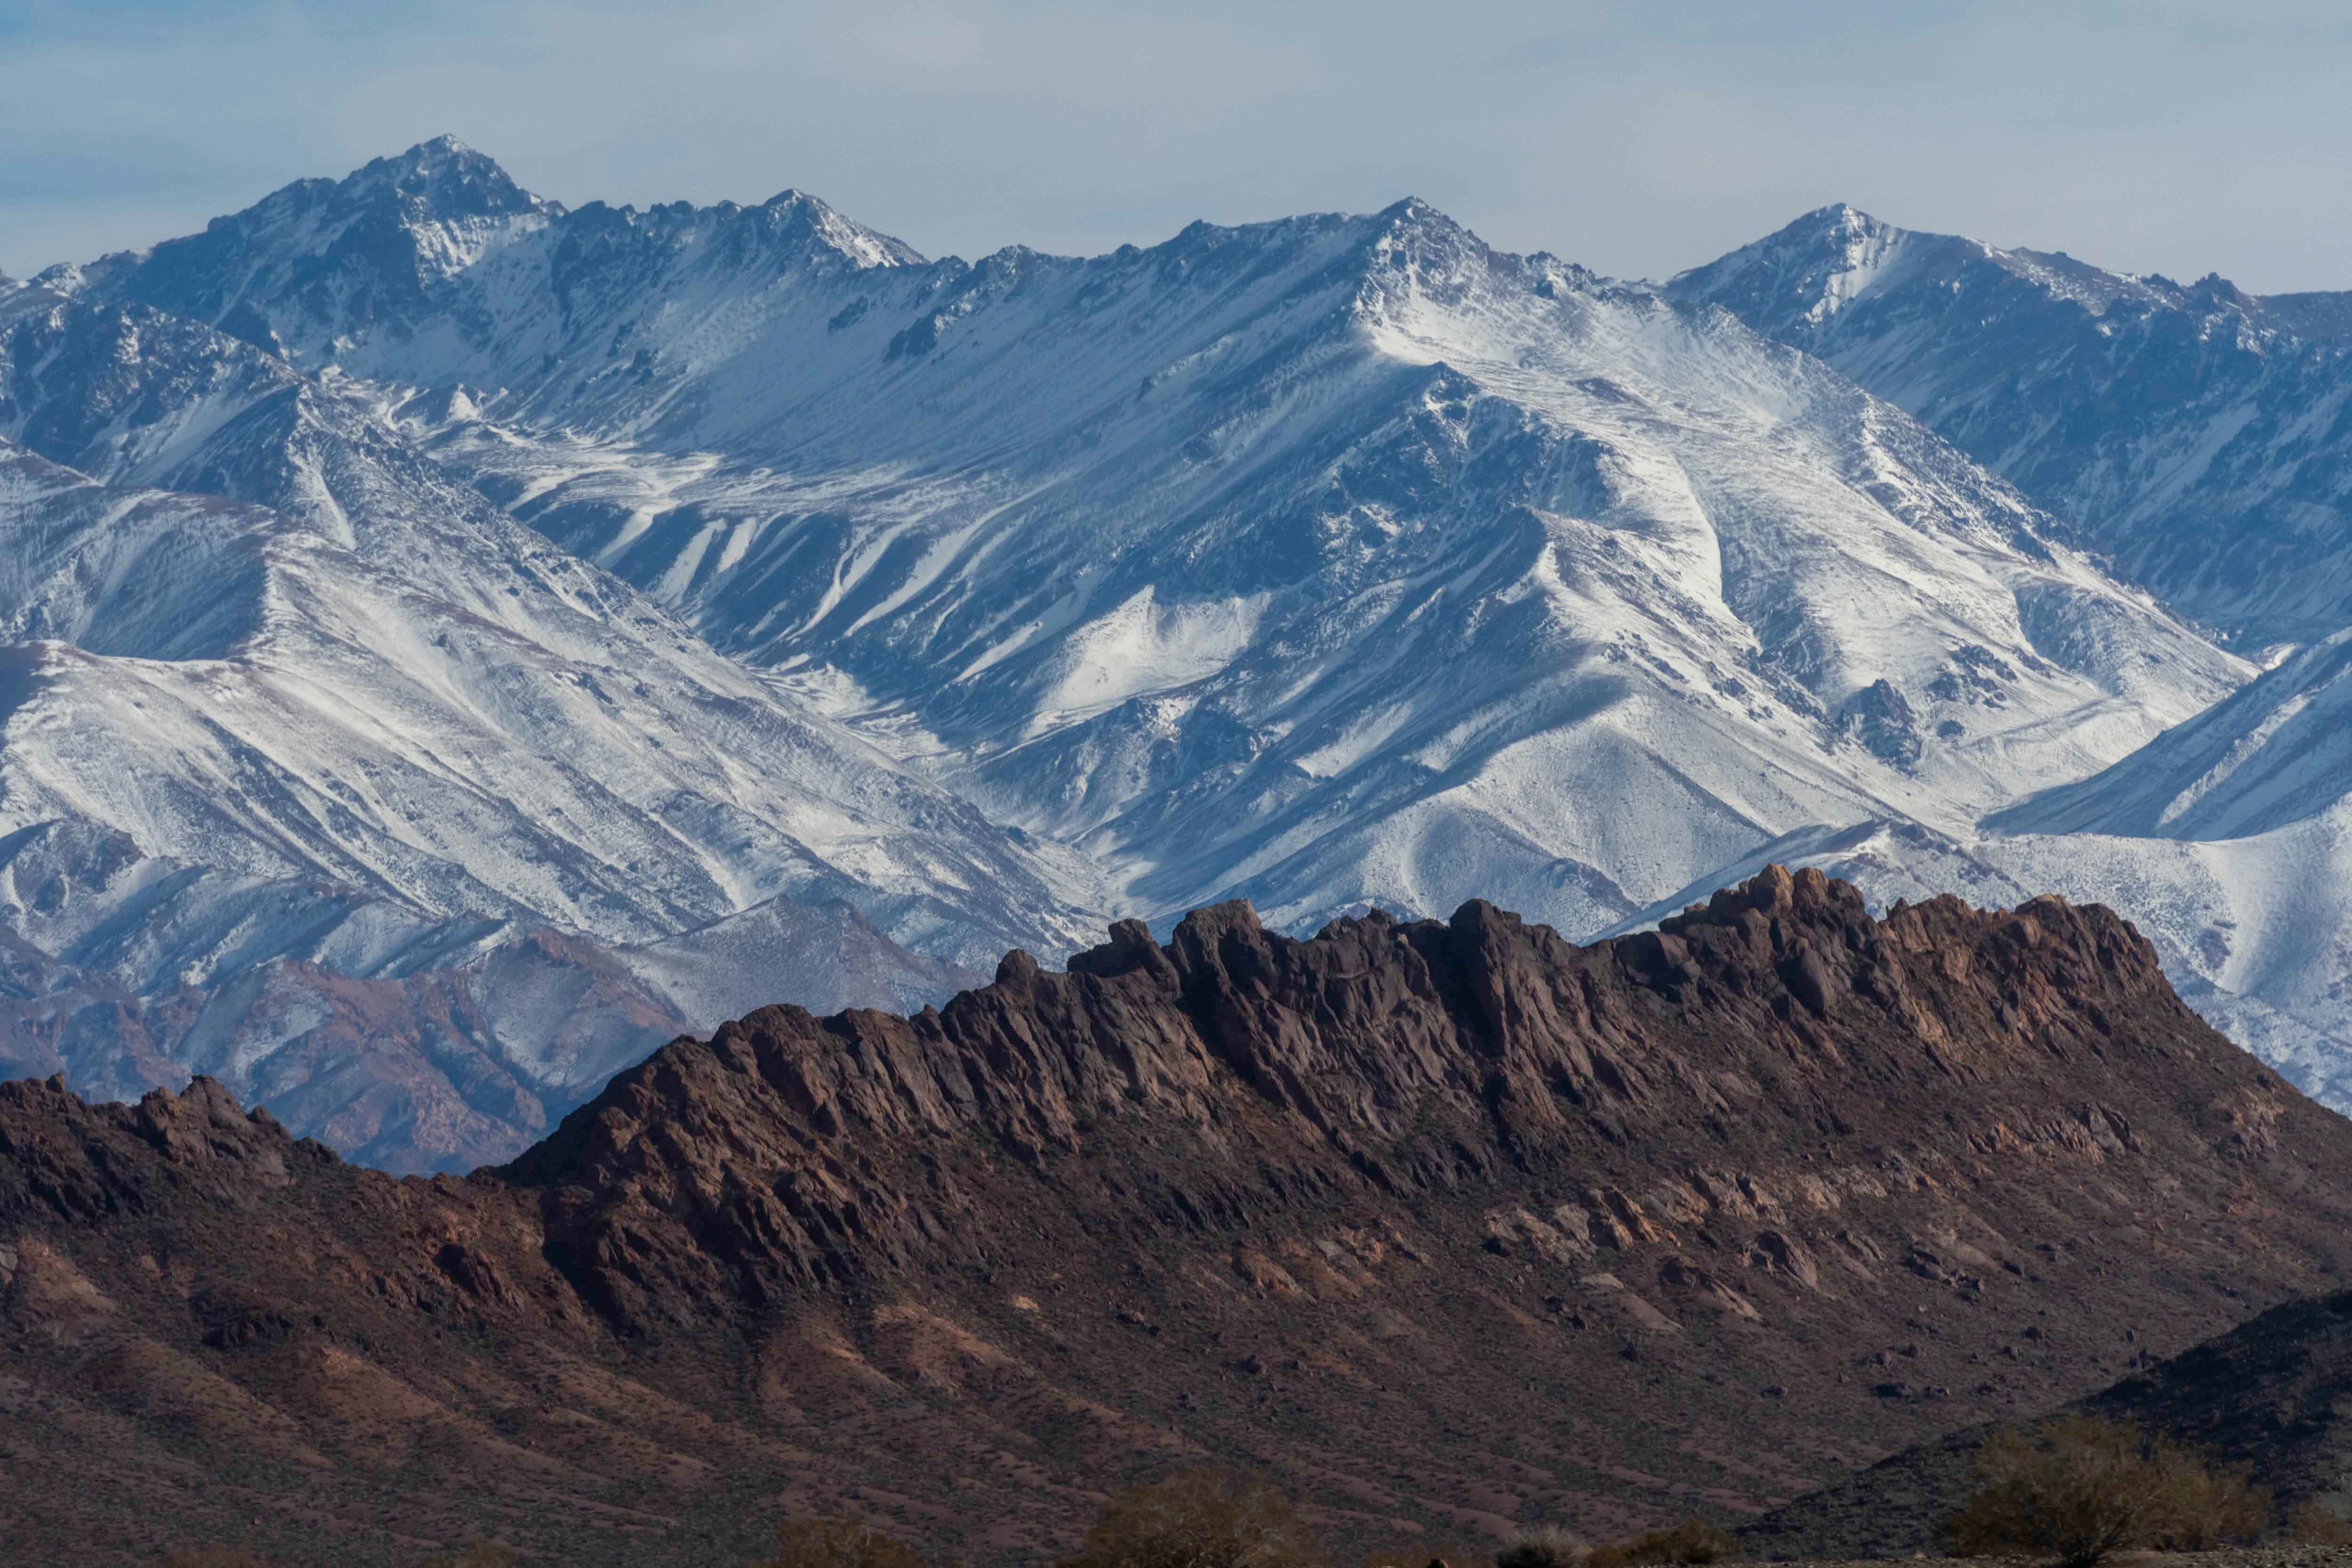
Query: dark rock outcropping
(1451, 1225)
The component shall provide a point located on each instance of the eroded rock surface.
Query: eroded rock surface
(1450, 1225)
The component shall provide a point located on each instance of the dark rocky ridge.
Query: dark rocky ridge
(1450, 1225)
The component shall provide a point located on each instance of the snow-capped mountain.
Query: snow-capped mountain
(2201, 434)
(1328, 561)
(377, 726)
(2203, 437)
(534, 736)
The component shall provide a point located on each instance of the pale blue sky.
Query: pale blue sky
(1636, 138)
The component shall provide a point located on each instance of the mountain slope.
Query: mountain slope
(2201, 436)
(2276, 752)
(377, 568)
(2267, 1397)
(1449, 1226)
(1335, 561)
(407, 1041)
(374, 681)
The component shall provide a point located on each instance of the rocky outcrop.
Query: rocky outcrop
(1728, 1066)
(1451, 1226)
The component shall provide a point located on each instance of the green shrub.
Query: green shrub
(2081, 1487)
(1206, 1520)
(832, 1541)
(1692, 1540)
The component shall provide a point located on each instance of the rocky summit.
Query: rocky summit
(1447, 1226)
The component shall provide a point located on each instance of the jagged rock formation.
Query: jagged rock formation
(1449, 1224)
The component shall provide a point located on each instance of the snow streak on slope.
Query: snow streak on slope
(427, 700)
(2277, 752)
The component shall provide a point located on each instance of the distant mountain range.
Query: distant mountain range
(2200, 439)
(689, 607)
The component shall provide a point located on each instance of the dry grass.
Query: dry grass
(2316, 1524)
(1690, 1542)
(831, 1542)
(1206, 1520)
(1546, 1546)
(1422, 1553)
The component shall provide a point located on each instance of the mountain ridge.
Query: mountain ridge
(1774, 1183)
(2197, 434)
(1333, 561)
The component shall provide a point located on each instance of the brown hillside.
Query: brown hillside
(1448, 1225)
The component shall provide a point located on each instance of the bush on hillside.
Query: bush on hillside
(832, 1541)
(2081, 1487)
(1690, 1542)
(1207, 1520)
(2316, 1524)
(1546, 1546)
(482, 1554)
(1422, 1553)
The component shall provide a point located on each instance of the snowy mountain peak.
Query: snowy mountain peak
(2178, 426)
(1804, 273)
(298, 269)
(444, 178)
(796, 211)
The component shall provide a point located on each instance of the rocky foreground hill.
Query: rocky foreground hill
(1447, 1226)
(2272, 1397)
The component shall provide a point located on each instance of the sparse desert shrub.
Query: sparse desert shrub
(2316, 1524)
(1690, 1542)
(1546, 1546)
(214, 1557)
(832, 1541)
(2081, 1487)
(1422, 1553)
(1206, 1520)
(482, 1554)
(2214, 1508)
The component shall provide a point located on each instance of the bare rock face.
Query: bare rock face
(1449, 1226)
